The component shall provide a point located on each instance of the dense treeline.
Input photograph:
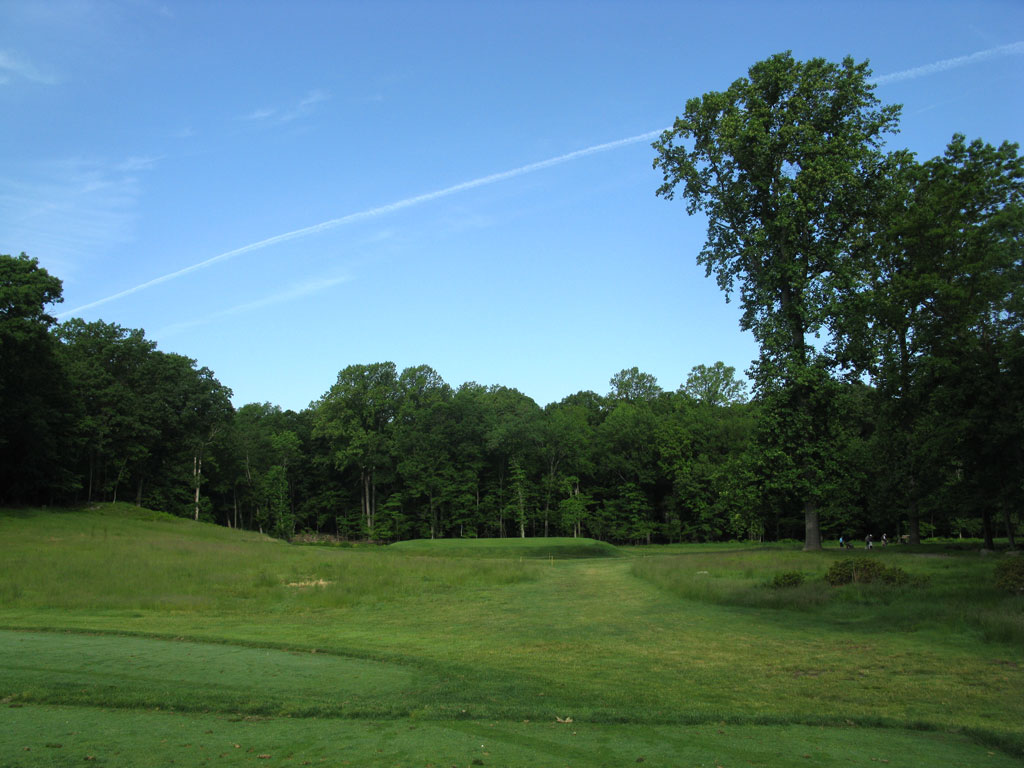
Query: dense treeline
(884, 294)
(383, 454)
(388, 454)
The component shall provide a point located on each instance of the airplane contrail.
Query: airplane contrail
(297, 291)
(954, 63)
(906, 74)
(372, 213)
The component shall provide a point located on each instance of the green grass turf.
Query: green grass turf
(43, 736)
(553, 547)
(116, 615)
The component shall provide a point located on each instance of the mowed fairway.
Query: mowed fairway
(132, 638)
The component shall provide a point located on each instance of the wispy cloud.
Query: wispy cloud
(138, 163)
(314, 97)
(290, 112)
(259, 114)
(372, 213)
(72, 210)
(296, 291)
(12, 68)
(1012, 49)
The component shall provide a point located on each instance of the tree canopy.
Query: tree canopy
(785, 164)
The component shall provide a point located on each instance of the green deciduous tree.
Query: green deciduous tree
(940, 333)
(785, 164)
(117, 425)
(511, 438)
(574, 508)
(34, 400)
(264, 441)
(703, 452)
(423, 441)
(141, 416)
(565, 441)
(714, 385)
(633, 385)
(355, 416)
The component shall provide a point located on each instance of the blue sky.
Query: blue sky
(280, 190)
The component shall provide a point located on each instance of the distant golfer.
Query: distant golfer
(867, 541)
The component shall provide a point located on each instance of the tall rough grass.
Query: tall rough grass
(948, 593)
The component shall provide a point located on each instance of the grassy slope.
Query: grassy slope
(433, 650)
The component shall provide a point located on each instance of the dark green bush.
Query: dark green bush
(853, 570)
(1010, 575)
(864, 570)
(787, 579)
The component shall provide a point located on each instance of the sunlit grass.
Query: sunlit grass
(169, 613)
(112, 560)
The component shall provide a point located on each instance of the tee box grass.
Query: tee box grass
(133, 638)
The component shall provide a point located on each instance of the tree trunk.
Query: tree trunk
(1008, 520)
(369, 499)
(364, 481)
(913, 527)
(197, 475)
(913, 518)
(789, 306)
(812, 529)
(986, 527)
(117, 480)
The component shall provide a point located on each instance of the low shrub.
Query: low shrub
(897, 577)
(864, 570)
(787, 579)
(853, 570)
(1010, 575)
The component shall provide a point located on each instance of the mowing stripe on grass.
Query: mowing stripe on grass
(41, 736)
(127, 672)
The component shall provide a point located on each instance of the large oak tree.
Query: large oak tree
(784, 164)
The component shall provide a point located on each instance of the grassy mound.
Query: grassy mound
(113, 557)
(554, 547)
